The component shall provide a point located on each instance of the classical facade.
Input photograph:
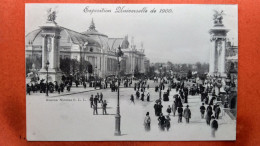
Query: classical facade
(52, 42)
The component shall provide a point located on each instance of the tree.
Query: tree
(29, 63)
(189, 74)
(65, 65)
(136, 71)
(151, 72)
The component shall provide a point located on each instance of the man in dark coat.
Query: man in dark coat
(148, 96)
(95, 108)
(132, 99)
(91, 100)
(137, 94)
(160, 106)
(96, 100)
(142, 96)
(104, 107)
(212, 100)
(214, 126)
(208, 115)
(217, 111)
(187, 114)
(180, 110)
(161, 123)
(202, 110)
(156, 109)
(28, 89)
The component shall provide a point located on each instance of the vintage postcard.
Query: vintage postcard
(131, 72)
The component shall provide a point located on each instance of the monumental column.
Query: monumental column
(50, 48)
(218, 48)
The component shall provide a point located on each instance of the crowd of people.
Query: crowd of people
(98, 99)
(210, 113)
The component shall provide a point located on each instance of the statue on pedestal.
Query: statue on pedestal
(51, 15)
(217, 17)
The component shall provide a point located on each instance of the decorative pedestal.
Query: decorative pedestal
(218, 47)
(50, 51)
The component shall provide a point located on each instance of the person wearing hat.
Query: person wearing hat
(187, 114)
(132, 99)
(148, 96)
(217, 111)
(208, 115)
(161, 123)
(104, 107)
(91, 101)
(147, 122)
(167, 122)
(202, 110)
(180, 110)
(174, 107)
(214, 126)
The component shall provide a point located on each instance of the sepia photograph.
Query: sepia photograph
(131, 72)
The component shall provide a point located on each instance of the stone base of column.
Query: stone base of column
(53, 75)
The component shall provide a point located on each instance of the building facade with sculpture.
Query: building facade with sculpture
(52, 42)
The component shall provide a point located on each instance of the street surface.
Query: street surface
(70, 118)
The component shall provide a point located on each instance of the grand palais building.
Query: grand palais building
(94, 47)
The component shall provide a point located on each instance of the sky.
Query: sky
(181, 36)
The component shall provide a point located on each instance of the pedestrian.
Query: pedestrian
(28, 89)
(212, 100)
(174, 107)
(58, 89)
(208, 115)
(84, 85)
(180, 110)
(206, 100)
(169, 110)
(148, 97)
(137, 94)
(68, 88)
(104, 107)
(91, 101)
(132, 99)
(161, 123)
(160, 106)
(96, 100)
(187, 114)
(214, 126)
(147, 122)
(217, 111)
(167, 122)
(95, 112)
(142, 96)
(156, 109)
(202, 110)
(101, 97)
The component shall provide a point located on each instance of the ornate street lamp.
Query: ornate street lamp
(160, 91)
(47, 68)
(119, 55)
